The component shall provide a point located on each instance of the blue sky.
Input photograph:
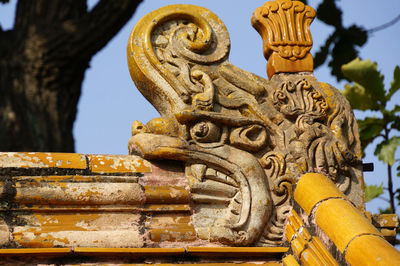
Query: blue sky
(110, 102)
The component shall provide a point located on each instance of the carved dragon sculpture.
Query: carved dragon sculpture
(244, 139)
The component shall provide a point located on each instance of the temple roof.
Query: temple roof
(237, 170)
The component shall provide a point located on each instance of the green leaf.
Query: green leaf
(359, 98)
(396, 123)
(395, 84)
(370, 128)
(386, 150)
(365, 74)
(372, 192)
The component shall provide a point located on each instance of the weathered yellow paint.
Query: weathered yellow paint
(78, 229)
(329, 95)
(118, 164)
(166, 194)
(78, 193)
(313, 188)
(37, 234)
(141, 55)
(42, 160)
(76, 178)
(167, 207)
(171, 227)
(172, 235)
(385, 220)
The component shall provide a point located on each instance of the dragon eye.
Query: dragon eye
(205, 132)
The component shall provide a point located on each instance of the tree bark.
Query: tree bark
(42, 64)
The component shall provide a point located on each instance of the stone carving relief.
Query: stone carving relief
(244, 139)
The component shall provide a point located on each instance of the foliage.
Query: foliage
(367, 93)
(343, 44)
(372, 192)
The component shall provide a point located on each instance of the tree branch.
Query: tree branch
(386, 25)
(47, 14)
(100, 25)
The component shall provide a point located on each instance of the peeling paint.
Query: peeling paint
(118, 164)
(42, 160)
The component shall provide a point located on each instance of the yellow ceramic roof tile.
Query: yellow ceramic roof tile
(341, 221)
(34, 251)
(237, 251)
(371, 250)
(290, 231)
(166, 207)
(316, 254)
(172, 235)
(128, 251)
(166, 194)
(385, 220)
(273, 263)
(75, 179)
(313, 188)
(42, 160)
(118, 164)
(293, 225)
(71, 193)
(298, 245)
(320, 249)
(290, 261)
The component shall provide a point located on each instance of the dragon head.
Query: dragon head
(244, 139)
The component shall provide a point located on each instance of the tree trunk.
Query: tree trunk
(42, 64)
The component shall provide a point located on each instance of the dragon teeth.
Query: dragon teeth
(198, 170)
(211, 172)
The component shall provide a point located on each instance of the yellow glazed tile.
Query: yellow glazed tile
(385, 220)
(294, 224)
(371, 250)
(290, 231)
(297, 245)
(316, 254)
(118, 164)
(42, 160)
(166, 194)
(290, 261)
(237, 251)
(128, 251)
(341, 221)
(313, 188)
(300, 241)
(320, 249)
(34, 251)
(308, 257)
